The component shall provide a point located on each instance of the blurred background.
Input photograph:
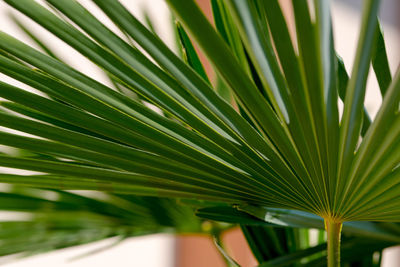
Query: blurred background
(187, 250)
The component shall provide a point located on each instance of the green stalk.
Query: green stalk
(333, 230)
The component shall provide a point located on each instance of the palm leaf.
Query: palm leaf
(274, 241)
(71, 219)
(287, 148)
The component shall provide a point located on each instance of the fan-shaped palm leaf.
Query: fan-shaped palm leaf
(286, 148)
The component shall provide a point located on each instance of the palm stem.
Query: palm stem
(333, 230)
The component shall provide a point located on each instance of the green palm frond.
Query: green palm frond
(54, 219)
(279, 142)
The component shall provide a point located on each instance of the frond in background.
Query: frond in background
(53, 219)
